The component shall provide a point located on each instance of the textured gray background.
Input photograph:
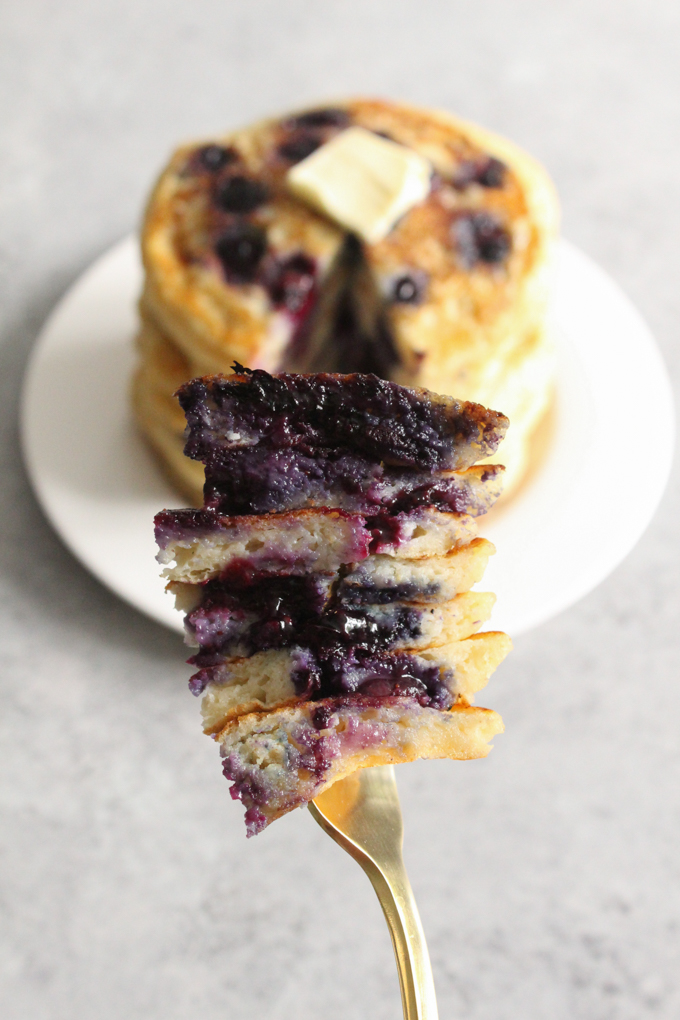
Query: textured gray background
(548, 875)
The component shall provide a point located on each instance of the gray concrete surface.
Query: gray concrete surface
(548, 875)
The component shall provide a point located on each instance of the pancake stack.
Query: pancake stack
(452, 298)
(327, 579)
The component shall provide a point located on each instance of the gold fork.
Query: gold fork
(362, 813)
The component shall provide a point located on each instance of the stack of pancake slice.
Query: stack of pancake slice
(327, 579)
(454, 297)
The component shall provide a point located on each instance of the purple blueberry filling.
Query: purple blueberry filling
(240, 194)
(255, 612)
(279, 612)
(388, 531)
(351, 671)
(380, 420)
(250, 788)
(257, 480)
(480, 237)
(184, 525)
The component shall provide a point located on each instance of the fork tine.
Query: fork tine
(362, 813)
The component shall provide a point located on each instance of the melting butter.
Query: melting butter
(362, 181)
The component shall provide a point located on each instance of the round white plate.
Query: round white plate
(569, 526)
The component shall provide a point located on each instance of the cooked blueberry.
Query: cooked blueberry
(328, 117)
(488, 171)
(300, 146)
(241, 194)
(214, 157)
(322, 716)
(480, 237)
(408, 290)
(241, 249)
(292, 281)
(492, 175)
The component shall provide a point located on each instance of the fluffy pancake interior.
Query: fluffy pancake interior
(279, 760)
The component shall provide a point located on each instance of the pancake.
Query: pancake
(196, 546)
(449, 673)
(280, 760)
(234, 627)
(331, 638)
(453, 298)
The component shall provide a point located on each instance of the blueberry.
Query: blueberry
(292, 282)
(322, 716)
(480, 237)
(407, 290)
(487, 171)
(329, 117)
(298, 147)
(214, 157)
(241, 194)
(377, 689)
(492, 174)
(241, 249)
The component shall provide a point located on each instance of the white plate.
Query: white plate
(566, 530)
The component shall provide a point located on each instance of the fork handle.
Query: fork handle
(408, 938)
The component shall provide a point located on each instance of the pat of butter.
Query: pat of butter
(362, 181)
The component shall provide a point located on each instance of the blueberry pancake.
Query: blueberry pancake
(331, 637)
(373, 598)
(383, 579)
(196, 545)
(438, 677)
(304, 611)
(452, 297)
(351, 414)
(225, 628)
(354, 442)
(280, 760)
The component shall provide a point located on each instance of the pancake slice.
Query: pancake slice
(437, 676)
(382, 421)
(302, 611)
(384, 579)
(355, 442)
(197, 545)
(336, 636)
(279, 760)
